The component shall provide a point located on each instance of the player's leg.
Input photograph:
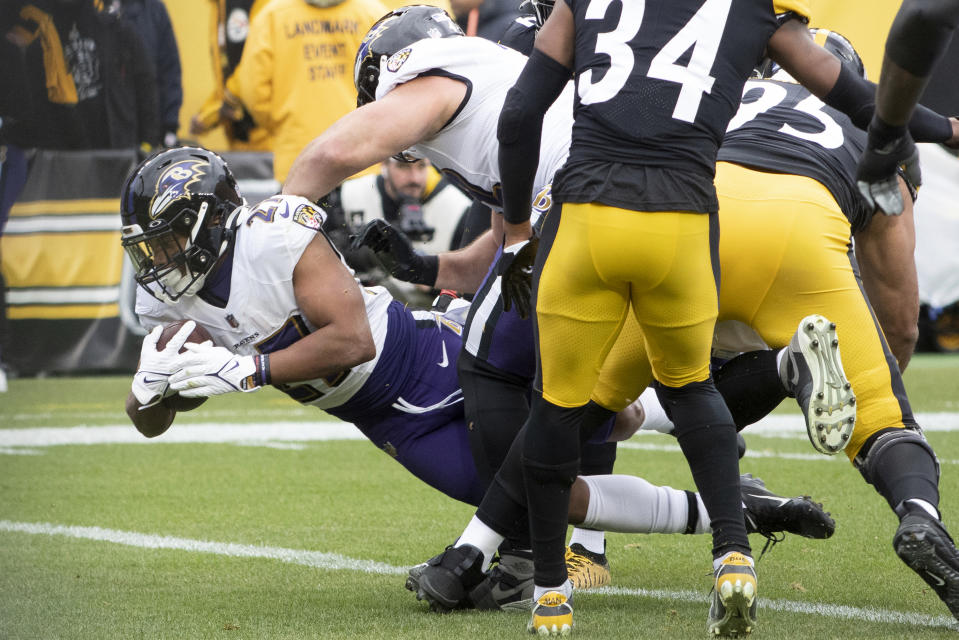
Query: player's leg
(818, 275)
(496, 405)
(424, 428)
(628, 504)
(578, 316)
(677, 316)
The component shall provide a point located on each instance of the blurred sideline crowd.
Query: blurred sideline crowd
(107, 74)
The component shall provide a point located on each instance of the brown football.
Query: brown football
(198, 335)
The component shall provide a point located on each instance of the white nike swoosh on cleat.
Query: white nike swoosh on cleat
(939, 581)
(777, 500)
(445, 361)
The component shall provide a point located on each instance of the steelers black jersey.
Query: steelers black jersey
(782, 127)
(656, 83)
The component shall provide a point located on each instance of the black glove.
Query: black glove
(515, 266)
(889, 150)
(395, 250)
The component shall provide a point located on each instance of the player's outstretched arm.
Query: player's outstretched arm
(411, 112)
(917, 39)
(462, 270)
(885, 251)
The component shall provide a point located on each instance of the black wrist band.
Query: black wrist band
(428, 271)
(262, 377)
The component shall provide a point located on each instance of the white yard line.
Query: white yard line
(285, 435)
(316, 559)
(792, 606)
(211, 432)
(333, 561)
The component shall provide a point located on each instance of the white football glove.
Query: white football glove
(151, 381)
(205, 370)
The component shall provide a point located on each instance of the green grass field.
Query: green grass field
(104, 534)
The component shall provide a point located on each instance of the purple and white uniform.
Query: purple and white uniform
(406, 400)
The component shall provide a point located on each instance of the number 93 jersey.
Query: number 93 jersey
(658, 80)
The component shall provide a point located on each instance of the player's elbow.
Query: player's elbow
(931, 14)
(359, 346)
(150, 422)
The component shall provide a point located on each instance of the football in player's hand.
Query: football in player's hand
(198, 335)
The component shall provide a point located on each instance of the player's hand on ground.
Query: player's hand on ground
(395, 250)
(151, 381)
(206, 370)
(877, 176)
(515, 266)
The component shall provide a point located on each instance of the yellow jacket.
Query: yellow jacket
(296, 73)
(223, 99)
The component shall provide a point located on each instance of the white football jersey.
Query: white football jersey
(466, 149)
(261, 313)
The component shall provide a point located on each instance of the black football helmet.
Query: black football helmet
(834, 43)
(176, 211)
(391, 34)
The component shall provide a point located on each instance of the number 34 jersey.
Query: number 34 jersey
(657, 81)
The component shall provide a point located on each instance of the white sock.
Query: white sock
(719, 561)
(566, 589)
(779, 363)
(628, 504)
(926, 506)
(481, 536)
(590, 539)
(703, 523)
(655, 419)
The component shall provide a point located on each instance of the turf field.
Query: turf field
(256, 518)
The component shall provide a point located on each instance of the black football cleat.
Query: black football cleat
(508, 585)
(768, 514)
(446, 580)
(923, 544)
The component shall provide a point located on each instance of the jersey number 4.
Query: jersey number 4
(703, 33)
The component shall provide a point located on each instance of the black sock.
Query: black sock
(550, 464)
(906, 470)
(750, 386)
(707, 436)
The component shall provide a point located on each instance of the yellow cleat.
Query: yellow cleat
(552, 615)
(733, 609)
(587, 570)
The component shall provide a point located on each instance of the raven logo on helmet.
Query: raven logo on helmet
(178, 211)
(174, 183)
(397, 59)
(390, 35)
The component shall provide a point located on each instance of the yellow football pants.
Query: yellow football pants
(603, 262)
(784, 255)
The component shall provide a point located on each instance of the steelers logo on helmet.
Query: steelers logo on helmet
(174, 183)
